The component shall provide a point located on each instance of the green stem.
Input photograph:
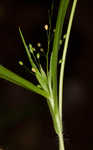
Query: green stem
(64, 59)
(61, 141)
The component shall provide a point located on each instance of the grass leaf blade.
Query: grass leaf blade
(14, 78)
(54, 56)
(27, 50)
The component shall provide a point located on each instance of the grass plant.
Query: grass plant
(48, 85)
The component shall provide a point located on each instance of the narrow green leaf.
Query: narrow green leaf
(14, 78)
(27, 50)
(56, 43)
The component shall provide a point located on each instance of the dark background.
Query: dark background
(25, 123)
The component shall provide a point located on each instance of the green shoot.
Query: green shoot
(47, 80)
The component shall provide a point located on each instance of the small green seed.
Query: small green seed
(38, 44)
(60, 61)
(20, 63)
(31, 48)
(33, 70)
(41, 49)
(64, 37)
(38, 55)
